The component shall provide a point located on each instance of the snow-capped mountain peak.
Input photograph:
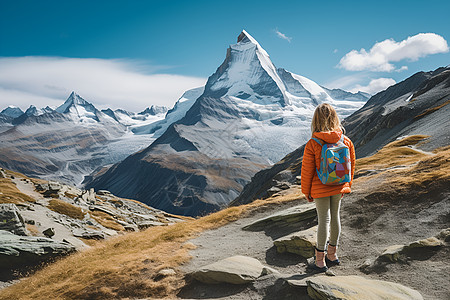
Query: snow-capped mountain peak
(154, 110)
(34, 111)
(12, 111)
(73, 100)
(79, 109)
(248, 73)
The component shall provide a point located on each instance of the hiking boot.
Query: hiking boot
(331, 257)
(319, 261)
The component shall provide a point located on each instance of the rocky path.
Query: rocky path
(364, 237)
(44, 216)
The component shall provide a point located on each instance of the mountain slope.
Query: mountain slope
(249, 115)
(417, 105)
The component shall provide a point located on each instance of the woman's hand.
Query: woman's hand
(310, 198)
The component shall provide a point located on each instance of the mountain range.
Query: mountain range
(417, 105)
(72, 140)
(248, 116)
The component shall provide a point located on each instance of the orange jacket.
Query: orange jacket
(311, 184)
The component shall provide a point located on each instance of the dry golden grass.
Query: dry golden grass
(65, 208)
(431, 169)
(69, 195)
(126, 266)
(9, 193)
(106, 220)
(16, 174)
(419, 169)
(393, 154)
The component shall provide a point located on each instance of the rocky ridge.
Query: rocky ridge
(59, 219)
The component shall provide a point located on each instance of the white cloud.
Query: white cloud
(403, 68)
(283, 36)
(346, 82)
(114, 83)
(374, 86)
(382, 54)
(335, 51)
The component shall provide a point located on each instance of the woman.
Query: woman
(327, 128)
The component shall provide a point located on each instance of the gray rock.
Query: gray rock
(301, 243)
(88, 196)
(297, 282)
(41, 187)
(444, 235)
(104, 209)
(293, 216)
(88, 234)
(284, 185)
(393, 253)
(167, 272)
(147, 224)
(11, 220)
(49, 232)
(356, 287)
(273, 190)
(235, 270)
(20, 251)
(104, 192)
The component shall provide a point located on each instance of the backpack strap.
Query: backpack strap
(342, 138)
(318, 141)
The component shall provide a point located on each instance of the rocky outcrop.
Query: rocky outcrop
(393, 253)
(11, 220)
(301, 243)
(419, 249)
(25, 251)
(356, 287)
(290, 217)
(235, 270)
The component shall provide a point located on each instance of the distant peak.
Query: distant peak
(245, 37)
(73, 100)
(77, 99)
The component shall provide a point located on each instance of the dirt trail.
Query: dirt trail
(369, 225)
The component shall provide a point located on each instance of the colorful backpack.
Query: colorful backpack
(335, 165)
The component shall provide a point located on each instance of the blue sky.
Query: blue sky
(178, 44)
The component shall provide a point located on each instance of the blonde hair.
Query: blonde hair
(326, 119)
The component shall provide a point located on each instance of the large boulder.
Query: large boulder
(236, 270)
(24, 251)
(356, 287)
(301, 243)
(288, 217)
(11, 220)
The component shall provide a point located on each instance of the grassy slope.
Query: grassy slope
(126, 266)
(9, 193)
(129, 263)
